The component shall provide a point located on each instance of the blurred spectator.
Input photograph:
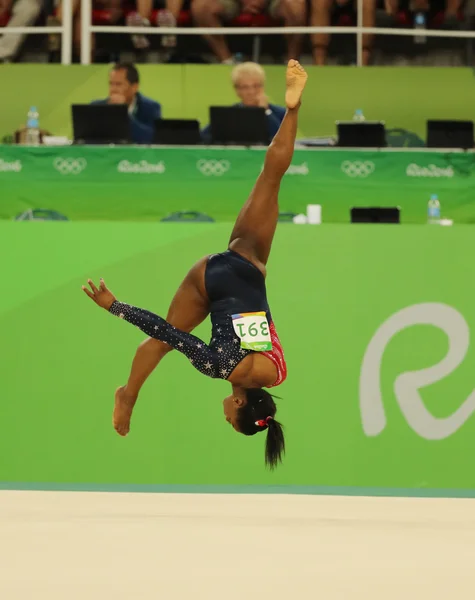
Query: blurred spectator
(249, 82)
(320, 16)
(143, 112)
(174, 7)
(449, 7)
(140, 18)
(114, 6)
(166, 17)
(392, 8)
(23, 13)
(293, 13)
(215, 13)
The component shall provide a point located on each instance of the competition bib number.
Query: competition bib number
(253, 331)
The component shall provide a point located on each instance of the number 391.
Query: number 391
(253, 330)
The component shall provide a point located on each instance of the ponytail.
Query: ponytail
(275, 444)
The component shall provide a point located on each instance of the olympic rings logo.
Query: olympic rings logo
(357, 168)
(213, 167)
(69, 166)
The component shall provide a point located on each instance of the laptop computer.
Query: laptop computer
(181, 132)
(100, 124)
(239, 125)
(369, 134)
(449, 134)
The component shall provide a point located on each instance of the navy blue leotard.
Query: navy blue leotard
(233, 285)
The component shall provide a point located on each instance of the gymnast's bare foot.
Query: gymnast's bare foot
(296, 79)
(123, 407)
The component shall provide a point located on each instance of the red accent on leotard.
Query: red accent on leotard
(276, 355)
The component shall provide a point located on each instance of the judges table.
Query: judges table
(149, 183)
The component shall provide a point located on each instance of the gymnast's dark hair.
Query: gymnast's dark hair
(258, 415)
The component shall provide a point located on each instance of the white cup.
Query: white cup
(314, 214)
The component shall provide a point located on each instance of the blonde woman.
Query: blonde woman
(249, 80)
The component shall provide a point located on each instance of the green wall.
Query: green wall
(331, 288)
(403, 97)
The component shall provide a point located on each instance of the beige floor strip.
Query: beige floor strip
(101, 546)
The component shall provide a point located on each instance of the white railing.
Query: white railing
(65, 30)
(87, 28)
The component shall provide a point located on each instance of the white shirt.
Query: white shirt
(132, 106)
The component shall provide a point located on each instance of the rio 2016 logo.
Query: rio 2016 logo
(408, 384)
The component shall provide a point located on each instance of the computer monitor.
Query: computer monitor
(375, 214)
(180, 132)
(368, 134)
(239, 125)
(449, 134)
(101, 124)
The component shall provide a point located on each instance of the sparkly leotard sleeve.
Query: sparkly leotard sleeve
(217, 360)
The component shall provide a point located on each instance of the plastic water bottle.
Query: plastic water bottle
(420, 23)
(32, 128)
(433, 210)
(358, 116)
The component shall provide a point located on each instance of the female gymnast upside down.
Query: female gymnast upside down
(230, 287)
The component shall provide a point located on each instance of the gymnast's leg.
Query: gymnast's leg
(256, 223)
(188, 309)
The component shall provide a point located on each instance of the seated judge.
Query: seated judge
(249, 79)
(143, 111)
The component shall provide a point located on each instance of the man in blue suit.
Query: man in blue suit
(143, 111)
(249, 83)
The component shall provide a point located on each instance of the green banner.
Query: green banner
(376, 324)
(133, 183)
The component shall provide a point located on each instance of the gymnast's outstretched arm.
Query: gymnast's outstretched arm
(198, 353)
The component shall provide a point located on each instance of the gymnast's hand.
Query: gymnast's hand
(102, 296)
